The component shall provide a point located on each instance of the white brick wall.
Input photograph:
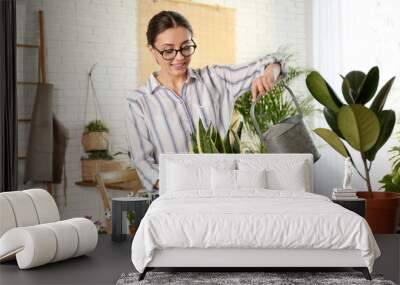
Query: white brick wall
(80, 33)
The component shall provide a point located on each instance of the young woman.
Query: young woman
(165, 111)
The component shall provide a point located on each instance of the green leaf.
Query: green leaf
(388, 184)
(322, 92)
(331, 119)
(201, 137)
(387, 119)
(194, 143)
(354, 80)
(219, 144)
(380, 99)
(227, 143)
(369, 86)
(236, 142)
(359, 126)
(333, 140)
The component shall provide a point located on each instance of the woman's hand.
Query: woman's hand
(157, 184)
(265, 82)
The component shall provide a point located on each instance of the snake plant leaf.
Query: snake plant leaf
(322, 92)
(349, 93)
(333, 140)
(213, 147)
(359, 126)
(201, 137)
(387, 120)
(239, 130)
(331, 119)
(354, 80)
(380, 99)
(194, 143)
(219, 144)
(369, 86)
(227, 143)
(236, 142)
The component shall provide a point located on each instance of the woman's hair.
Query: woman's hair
(163, 21)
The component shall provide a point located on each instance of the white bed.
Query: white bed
(203, 220)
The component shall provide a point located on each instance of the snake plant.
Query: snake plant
(210, 141)
(365, 128)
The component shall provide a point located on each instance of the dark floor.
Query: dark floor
(102, 266)
(110, 259)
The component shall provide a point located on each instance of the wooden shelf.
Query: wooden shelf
(27, 83)
(125, 186)
(27, 46)
(25, 120)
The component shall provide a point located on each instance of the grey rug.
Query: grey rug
(230, 278)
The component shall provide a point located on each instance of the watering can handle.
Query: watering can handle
(253, 104)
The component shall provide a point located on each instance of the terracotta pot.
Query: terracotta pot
(132, 230)
(382, 211)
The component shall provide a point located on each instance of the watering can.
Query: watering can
(291, 135)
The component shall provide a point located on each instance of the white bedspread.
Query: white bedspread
(253, 218)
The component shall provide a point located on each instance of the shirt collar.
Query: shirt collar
(153, 84)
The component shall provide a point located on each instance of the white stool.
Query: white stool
(31, 230)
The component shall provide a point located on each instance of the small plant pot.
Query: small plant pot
(90, 167)
(132, 230)
(95, 141)
(382, 211)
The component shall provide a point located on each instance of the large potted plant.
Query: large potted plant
(366, 128)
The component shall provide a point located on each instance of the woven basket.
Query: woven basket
(90, 167)
(95, 141)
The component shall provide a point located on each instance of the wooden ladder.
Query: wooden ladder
(42, 74)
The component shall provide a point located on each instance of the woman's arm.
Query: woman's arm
(257, 76)
(140, 146)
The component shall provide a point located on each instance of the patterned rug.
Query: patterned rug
(243, 278)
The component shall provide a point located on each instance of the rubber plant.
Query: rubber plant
(210, 141)
(365, 127)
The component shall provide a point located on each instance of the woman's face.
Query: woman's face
(173, 38)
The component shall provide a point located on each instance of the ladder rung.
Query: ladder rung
(28, 83)
(21, 157)
(25, 120)
(27, 46)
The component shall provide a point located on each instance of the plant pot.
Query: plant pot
(132, 230)
(90, 167)
(382, 211)
(95, 141)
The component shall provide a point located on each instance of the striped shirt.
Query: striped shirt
(160, 121)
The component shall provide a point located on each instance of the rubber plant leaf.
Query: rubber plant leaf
(333, 140)
(359, 126)
(369, 86)
(354, 80)
(387, 120)
(322, 92)
(380, 99)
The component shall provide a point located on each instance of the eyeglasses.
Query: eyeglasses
(169, 54)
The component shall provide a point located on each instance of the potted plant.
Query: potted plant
(365, 128)
(131, 219)
(210, 141)
(98, 161)
(391, 181)
(95, 136)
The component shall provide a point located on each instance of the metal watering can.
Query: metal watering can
(288, 136)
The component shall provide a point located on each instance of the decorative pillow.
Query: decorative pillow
(182, 174)
(281, 175)
(251, 178)
(182, 177)
(223, 179)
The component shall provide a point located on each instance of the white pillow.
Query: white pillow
(223, 179)
(192, 174)
(227, 179)
(281, 175)
(182, 177)
(251, 178)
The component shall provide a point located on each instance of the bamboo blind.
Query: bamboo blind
(213, 28)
